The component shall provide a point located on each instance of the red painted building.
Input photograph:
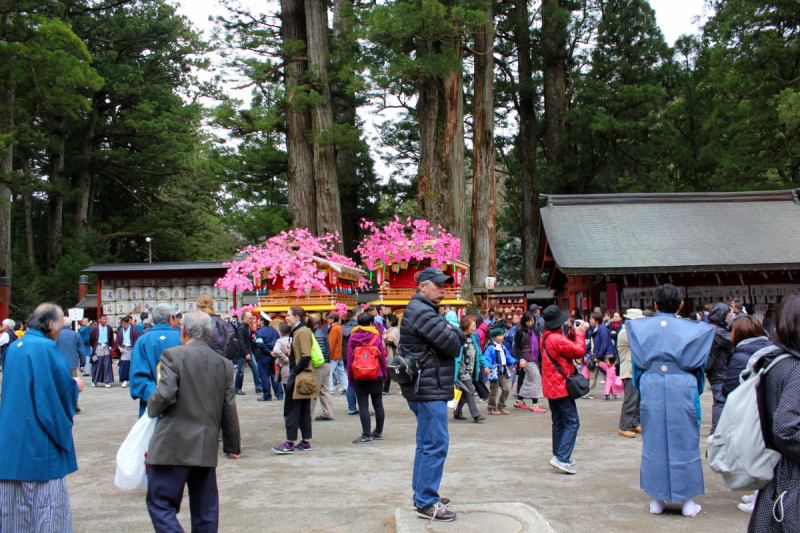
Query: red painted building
(611, 251)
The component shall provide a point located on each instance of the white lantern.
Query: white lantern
(490, 282)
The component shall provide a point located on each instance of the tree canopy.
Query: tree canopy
(117, 123)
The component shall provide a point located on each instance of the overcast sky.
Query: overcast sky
(675, 17)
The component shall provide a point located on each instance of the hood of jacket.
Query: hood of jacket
(363, 335)
(452, 318)
(718, 314)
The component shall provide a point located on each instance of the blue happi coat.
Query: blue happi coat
(145, 357)
(669, 354)
(36, 408)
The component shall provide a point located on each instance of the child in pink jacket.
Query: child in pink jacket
(613, 384)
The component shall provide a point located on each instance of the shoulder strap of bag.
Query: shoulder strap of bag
(555, 364)
(374, 339)
(776, 361)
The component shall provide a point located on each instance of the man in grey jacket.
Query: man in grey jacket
(426, 335)
(185, 446)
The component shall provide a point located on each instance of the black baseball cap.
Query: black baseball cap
(533, 307)
(435, 275)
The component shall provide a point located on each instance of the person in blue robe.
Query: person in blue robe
(669, 355)
(85, 332)
(37, 406)
(266, 337)
(103, 342)
(147, 351)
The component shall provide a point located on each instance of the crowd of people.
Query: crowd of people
(657, 363)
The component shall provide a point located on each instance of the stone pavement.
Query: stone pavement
(340, 487)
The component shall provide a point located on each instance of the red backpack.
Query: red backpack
(367, 361)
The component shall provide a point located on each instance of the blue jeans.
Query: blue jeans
(240, 373)
(352, 406)
(338, 373)
(433, 439)
(564, 413)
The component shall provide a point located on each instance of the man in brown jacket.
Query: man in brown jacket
(338, 366)
(629, 424)
(195, 398)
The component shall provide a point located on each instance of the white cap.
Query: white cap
(265, 316)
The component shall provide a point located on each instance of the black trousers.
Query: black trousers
(297, 414)
(386, 385)
(481, 389)
(520, 381)
(165, 491)
(363, 412)
(629, 416)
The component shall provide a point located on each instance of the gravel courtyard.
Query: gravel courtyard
(340, 487)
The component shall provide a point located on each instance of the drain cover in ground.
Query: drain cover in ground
(478, 518)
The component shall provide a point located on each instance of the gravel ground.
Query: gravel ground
(340, 487)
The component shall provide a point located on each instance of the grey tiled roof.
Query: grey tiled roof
(144, 267)
(640, 233)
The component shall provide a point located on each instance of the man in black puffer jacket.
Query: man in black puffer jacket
(424, 330)
(717, 366)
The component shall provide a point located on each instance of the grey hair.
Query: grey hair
(67, 321)
(44, 314)
(10, 324)
(161, 314)
(198, 325)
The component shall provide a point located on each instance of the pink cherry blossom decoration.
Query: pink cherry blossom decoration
(414, 240)
(290, 256)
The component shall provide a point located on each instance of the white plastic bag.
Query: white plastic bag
(131, 466)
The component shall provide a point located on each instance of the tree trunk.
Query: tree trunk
(55, 199)
(441, 185)
(302, 194)
(527, 142)
(554, 34)
(27, 200)
(6, 166)
(85, 172)
(483, 151)
(329, 213)
(345, 113)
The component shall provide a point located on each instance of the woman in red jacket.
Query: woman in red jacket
(557, 353)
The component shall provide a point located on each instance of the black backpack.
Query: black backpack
(224, 341)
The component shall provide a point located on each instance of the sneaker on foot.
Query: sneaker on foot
(304, 446)
(747, 507)
(606, 398)
(363, 440)
(564, 467)
(376, 436)
(750, 498)
(537, 409)
(286, 448)
(520, 405)
(124, 384)
(108, 386)
(436, 512)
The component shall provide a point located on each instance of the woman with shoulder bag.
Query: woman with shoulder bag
(558, 352)
(778, 504)
(301, 386)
